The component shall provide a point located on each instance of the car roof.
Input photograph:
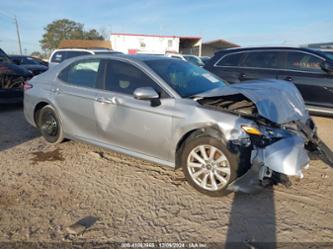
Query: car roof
(304, 49)
(142, 58)
(136, 58)
(268, 47)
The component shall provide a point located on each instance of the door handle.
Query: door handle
(56, 90)
(288, 78)
(103, 100)
(242, 76)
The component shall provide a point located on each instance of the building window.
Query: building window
(169, 43)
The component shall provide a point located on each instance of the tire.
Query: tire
(49, 125)
(231, 165)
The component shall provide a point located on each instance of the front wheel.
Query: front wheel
(208, 165)
(49, 125)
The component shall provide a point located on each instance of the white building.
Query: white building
(155, 44)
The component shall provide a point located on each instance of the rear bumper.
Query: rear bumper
(11, 96)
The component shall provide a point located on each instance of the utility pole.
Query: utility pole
(18, 35)
(17, 29)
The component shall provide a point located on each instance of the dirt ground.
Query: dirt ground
(45, 188)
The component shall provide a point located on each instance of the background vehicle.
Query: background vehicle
(175, 56)
(12, 78)
(30, 63)
(177, 114)
(327, 52)
(205, 59)
(310, 70)
(59, 55)
(194, 60)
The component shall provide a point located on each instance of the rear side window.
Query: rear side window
(124, 78)
(303, 62)
(230, 60)
(264, 59)
(83, 73)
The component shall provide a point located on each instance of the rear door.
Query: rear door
(258, 64)
(303, 69)
(75, 96)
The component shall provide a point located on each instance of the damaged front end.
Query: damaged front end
(284, 135)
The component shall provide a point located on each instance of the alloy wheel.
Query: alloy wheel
(208, 167)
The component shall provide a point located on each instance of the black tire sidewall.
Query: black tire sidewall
(51, 139)
(232, 158)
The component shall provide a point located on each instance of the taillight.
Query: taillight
(27, 86)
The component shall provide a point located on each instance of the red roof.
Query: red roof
(161, 36)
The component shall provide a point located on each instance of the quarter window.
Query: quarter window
(124, 78)
(83, 73)
(303, 62)
(231, 60)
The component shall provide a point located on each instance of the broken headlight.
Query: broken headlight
(263, 136)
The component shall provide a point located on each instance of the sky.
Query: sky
(245, 22)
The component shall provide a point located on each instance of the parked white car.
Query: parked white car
(59, 55)
(176, 56)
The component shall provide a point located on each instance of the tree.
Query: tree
(92, 35)
(65, 29)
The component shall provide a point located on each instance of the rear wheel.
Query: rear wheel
(209, 166)
(49, 125)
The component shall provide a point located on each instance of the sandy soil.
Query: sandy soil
(46, 188)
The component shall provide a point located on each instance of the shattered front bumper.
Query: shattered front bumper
(287, 156)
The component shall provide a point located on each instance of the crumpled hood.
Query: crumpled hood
(276, 100)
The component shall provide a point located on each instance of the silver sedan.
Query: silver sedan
(224, 137)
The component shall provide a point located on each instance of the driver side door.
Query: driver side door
(129, 123)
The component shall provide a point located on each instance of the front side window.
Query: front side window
(185, 78)
(231, 60)
(125, 78)
(262, 59)
(303, 62)
(28, 61)
(82, 73)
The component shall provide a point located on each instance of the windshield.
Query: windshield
(4, 57)
(29, 61)
(329, 54)
(185, 78)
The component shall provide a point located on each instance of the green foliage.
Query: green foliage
(65, 29)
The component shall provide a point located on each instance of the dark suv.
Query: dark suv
(12, 78)
(310, 70)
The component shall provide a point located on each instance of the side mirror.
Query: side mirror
(327, 67)
(145, 93)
